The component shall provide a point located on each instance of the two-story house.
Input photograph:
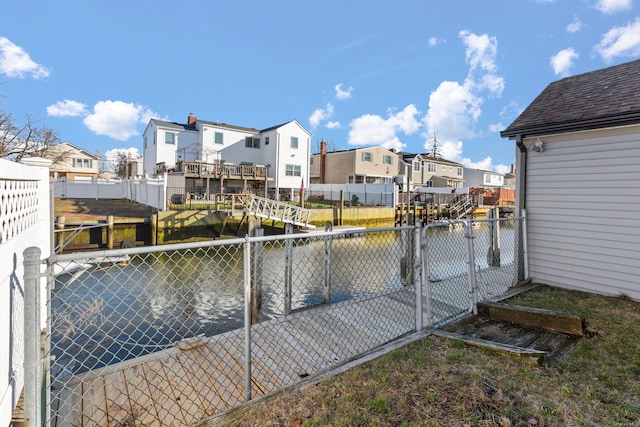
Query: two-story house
(477, 178)
(428, 171)
(217, 157)
(367, 165)
(71, 162)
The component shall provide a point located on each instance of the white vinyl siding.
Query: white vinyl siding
(583, 204)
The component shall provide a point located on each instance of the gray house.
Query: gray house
(578, 177)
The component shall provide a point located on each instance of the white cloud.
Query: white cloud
(333, 125)
(562, 61)
(620, 41)
(117, 119)
(453, 112)
(112, 155)
(613, 6)
(481, 56)
(484, 164)
(575, 25)
(434, 41)
(320, 114)
(67, 108)
(502, 168)
(371, 129)
(343, 94)
(15, 62)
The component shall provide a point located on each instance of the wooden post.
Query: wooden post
(288, 270)
(60, 226)
(257, 259)
(154, 229)
(341, 206)
(109, 231)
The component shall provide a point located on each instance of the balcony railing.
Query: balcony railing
(221, 170)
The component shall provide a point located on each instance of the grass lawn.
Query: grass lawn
(439, 382)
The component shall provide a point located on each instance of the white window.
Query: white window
(444, 168)
(416, 166)
(293, 170)
(450, 168)
(169, 138)
(218, 138)
(294, 142)
(82, 163)
(459, 171)
(250, 142)
(367, 157)
(432, 168)
(487, 178)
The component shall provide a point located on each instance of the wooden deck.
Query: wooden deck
(197, 379)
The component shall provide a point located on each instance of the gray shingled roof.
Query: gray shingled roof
(601, 98)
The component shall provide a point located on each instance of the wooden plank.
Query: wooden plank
(162, 394)
(225, 373)
(94, 403)
(551, 320)
(118, 407)
(69, 402)
(198, 369)
(534, 355)
(143, 410)
(186, 395)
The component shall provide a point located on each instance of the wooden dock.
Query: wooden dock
(204, 377)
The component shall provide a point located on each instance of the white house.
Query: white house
(477, 178)
(578, 177)
(283, 149)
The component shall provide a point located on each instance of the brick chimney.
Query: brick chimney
(323, 156)
(191, 120)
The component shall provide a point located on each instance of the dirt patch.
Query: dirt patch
(91, 209)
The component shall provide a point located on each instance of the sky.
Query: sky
(354, 73)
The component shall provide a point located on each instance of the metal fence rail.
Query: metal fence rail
(175, 334)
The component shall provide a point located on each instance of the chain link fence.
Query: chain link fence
(156, 335)
(176, 334)
(466, 262)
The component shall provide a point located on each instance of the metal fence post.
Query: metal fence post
(326, 270)
(247, 317)
(32, 330)
(424, 275)
(417, 274)
(288, 270)
(473, 289)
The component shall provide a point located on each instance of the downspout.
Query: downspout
(521, 175)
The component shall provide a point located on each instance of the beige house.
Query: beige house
(71, 162)
(370, 165)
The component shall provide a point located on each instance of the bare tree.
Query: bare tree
(26, 140)
(119, 164)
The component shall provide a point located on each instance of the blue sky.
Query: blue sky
(355, 73)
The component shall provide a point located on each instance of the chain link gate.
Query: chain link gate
(465, 262)
(175, 334)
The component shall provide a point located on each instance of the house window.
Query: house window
(359, 179)
(459, 171)
(218, 139)
(387, 160)
(250, 142)
(294, 142)
(487, 179)
(169, 138)
(311, 161)
(266, 140)
(293, 170)
(432, 168)
(367, 157)
(82, 163)
(370, 180)
(145, 142)
(450, 168)
(350, 181)
(444, 168)
(416, 166)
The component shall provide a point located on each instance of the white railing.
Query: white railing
(279, 211)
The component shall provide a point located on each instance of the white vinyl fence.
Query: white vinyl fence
(25, 221)
(148, 191)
